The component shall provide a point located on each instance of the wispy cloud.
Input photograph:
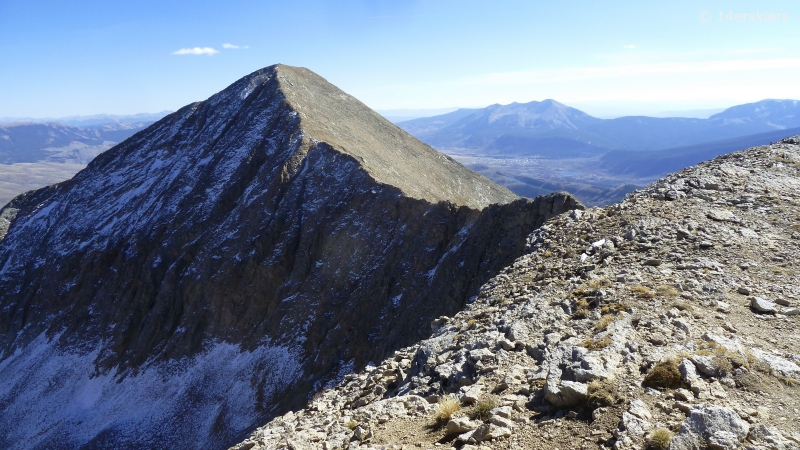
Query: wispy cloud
(226, 45)
(628, 46)
(627, 70)
(196, 51)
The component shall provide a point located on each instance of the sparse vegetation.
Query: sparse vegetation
(604, 322)
(446, 407)
(667, 291)
(614, 308)
(597, 283)
(594, 345)
(581, 309)
(483, 407)
(664, 375)
(352, 424)
(643, 291)
(659, 439)
(683, 306)
(471, 324)
(602, 393)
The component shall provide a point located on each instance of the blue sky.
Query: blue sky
(79, 58)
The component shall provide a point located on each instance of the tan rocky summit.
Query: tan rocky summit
(669, 320)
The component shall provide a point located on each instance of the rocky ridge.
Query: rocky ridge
(669, 320)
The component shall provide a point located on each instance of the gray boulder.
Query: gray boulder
(709, 426)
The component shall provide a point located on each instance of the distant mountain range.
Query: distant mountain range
(59, 143)
(88, 121)
(34, 155)
(550, 129)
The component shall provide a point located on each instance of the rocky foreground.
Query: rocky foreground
(668, 320)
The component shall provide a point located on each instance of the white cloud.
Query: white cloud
(196, 51)
(226, 45)
(628, 46)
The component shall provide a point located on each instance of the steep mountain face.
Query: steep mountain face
(232, 259)
(668, 321)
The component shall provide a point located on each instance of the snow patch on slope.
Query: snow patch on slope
(53, 398)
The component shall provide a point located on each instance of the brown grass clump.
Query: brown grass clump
(613, 308)
(604, 322)
(664, 375)
(643, 291)
(597, 283)
(659, 439)
(482, 408)
(667, 291)
(756, 364)
(594, 345)
(683, 306)
(581, 309)
(602, 393)
(446, 407)
(722, 364)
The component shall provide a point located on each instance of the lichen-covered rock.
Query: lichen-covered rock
(712, 425)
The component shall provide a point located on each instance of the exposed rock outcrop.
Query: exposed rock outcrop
(628, 326)
(229, 261)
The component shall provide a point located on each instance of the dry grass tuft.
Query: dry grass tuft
(581, 309)
(597, 283)
(643, 291)
(667, 291)
(482, 408)
(446, 407)
(614, 308)
(659, 439)
(604, 322)
(602, 393)
(683, 306)
(352, 424)
(594, 345)
(664, 375)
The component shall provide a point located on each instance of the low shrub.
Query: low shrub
(482, 409)
(602, 393)
(664, 375)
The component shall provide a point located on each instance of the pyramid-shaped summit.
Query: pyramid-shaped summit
(390, 155)
(222, 265)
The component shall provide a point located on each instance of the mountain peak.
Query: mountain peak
(389, 154)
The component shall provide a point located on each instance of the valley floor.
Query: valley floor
(22, 177)
(532, 176)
